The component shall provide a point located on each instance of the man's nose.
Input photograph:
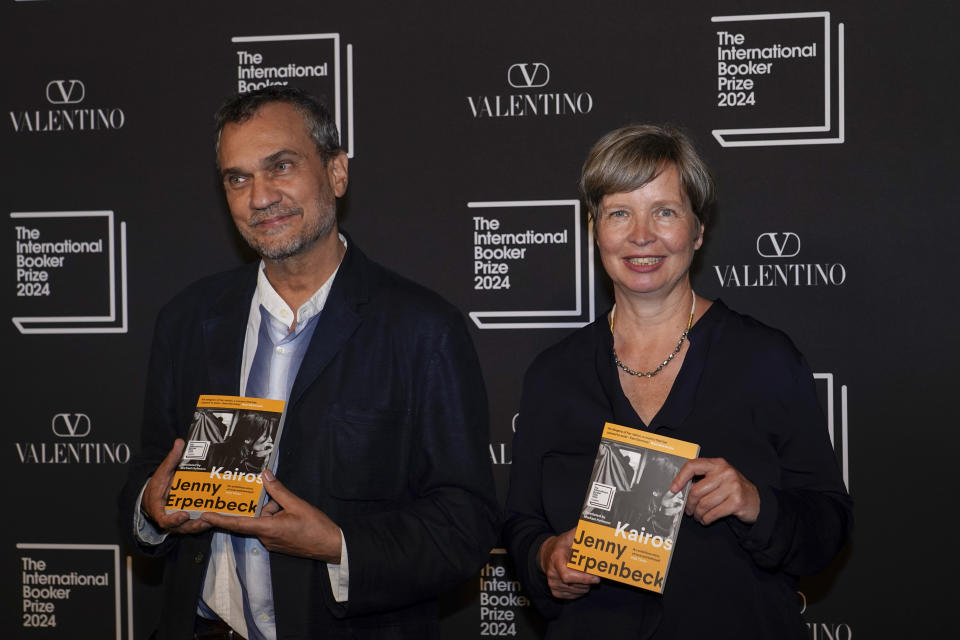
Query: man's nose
(263, 194)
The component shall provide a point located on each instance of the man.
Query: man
(387, 496)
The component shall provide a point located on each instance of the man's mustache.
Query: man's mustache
(273, 212)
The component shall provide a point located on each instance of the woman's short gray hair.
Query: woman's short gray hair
(628, 158)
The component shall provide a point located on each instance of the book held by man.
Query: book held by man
(232, 439)
(628, 526)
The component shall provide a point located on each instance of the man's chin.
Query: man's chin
(277, 249)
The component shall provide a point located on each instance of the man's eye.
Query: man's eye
(666, 213)
(617, 213)
(283, 165)
(235, 180)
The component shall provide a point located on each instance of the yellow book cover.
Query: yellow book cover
(629, 522)
(231, 441)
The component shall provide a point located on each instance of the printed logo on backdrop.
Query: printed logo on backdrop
(504, 609)
(70, 272)
(500, 451)
(530, 267)
(531, 97)
(825, 630)
(837, 420)
(60, 584)
(777, 247)
(66, 109)
(71, 425)
(309, 61)
(528, 75)
(780, 80)
(65, 91)
(69, 444)
(829, 631)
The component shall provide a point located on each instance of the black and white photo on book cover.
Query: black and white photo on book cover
(632, 484)
(232, 439)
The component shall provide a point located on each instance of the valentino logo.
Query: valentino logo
(528, 80)
(778, 245)
(72, 449)
(67, 425)
(66, 91)
(65, 113)
(528, 75)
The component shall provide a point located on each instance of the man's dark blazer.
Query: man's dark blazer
(386, 432)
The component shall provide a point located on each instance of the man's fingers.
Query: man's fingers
(279, 494)
(160, 480)
(180, 522)
(169, 463)
(193, 526)
(175, 519)
(155, 493)
(270, 509)
(247, 526)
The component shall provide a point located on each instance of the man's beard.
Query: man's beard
(294, 245)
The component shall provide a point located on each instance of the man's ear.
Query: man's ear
(337, 173)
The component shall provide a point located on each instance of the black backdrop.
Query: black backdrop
(835, 165)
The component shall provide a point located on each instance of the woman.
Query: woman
(767, 502)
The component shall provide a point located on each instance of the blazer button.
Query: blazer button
(198, 558)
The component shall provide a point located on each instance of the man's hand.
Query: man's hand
(721, 492)
(287, 524)
(564, 582)
(155, 497)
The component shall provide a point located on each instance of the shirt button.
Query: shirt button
(281, 350)
(198, 558)
(255, 551)
(264, 617)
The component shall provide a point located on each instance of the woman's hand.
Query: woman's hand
(721, 492)
(564, 582)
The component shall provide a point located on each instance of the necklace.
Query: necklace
(683, 336)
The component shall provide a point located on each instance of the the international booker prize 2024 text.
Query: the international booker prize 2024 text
(740, 67)
(43, 590)
(35, 258)
(500, 602)
(494, 250)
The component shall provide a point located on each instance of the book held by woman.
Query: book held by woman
(628, 526)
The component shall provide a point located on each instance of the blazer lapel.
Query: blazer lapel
(338, 320)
